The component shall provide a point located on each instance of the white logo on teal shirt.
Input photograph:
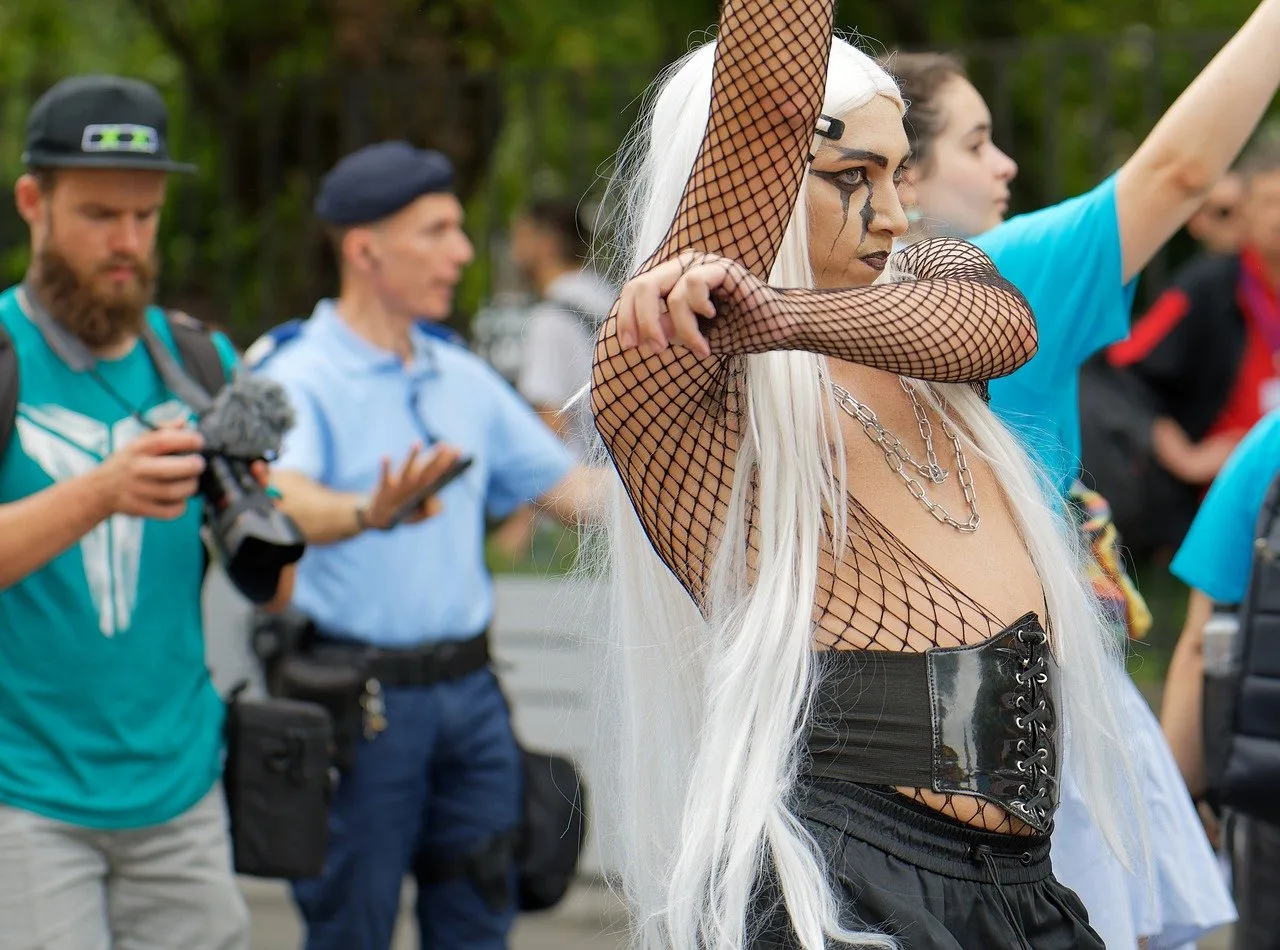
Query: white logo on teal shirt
(66, 444)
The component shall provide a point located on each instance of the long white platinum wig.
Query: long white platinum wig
(700, 718)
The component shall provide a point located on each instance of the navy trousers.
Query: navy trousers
(443, 778)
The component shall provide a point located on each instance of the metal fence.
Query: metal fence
(239, 246)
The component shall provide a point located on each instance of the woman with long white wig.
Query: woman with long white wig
(840, 686)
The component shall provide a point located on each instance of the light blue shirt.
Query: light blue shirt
(1216, 556)
(1067, 261)
(357, 404)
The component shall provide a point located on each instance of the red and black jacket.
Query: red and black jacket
(1197, 354)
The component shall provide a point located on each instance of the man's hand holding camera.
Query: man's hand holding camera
(156, 474)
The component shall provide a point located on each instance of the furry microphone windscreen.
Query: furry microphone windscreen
(248, 419)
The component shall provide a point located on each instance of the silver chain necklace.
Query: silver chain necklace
(897, 456)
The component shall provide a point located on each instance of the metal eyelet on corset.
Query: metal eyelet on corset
(1031, 637)
(1033, 748)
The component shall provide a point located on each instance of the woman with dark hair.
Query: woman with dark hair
(1077, 262)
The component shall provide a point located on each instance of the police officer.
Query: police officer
(1215, 561)
(380, 406)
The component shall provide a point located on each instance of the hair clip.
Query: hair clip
(830, 128)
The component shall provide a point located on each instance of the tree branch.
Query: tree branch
(909, 23)
(158, 14)
(202, 78)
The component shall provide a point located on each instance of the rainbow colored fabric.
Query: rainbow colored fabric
(1121, 602)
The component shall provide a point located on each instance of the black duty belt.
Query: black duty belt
(979, 720)
(423, 665)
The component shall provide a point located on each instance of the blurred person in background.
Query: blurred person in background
(1077, 262)
(1205, 358)
(1216, 224)
(383, 409)
(1215, 561)
(550, 246)
(113, 821)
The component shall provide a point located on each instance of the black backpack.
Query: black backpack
(546, 846)
(1151, 508)
(1242, 703)
(196, 350)
(552, 832)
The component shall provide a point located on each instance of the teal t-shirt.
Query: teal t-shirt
(1067, 261)
(108, 715)
(1216, 556)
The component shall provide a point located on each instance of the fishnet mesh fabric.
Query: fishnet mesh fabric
(672, 421)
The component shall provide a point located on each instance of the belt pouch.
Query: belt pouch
(335, 683)
(278, 785)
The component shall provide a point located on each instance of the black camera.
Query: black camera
(255, 541)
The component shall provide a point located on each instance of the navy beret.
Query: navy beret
(378, 180)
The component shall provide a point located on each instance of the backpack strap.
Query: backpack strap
(8, 388)
(199, 366)
(199, 354)
(1266, 550)
(1266, 537)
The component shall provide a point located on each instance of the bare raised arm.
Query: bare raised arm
(1196, 141)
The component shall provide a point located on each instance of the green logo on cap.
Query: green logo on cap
(120, 138)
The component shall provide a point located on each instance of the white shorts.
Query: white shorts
(1187, 897)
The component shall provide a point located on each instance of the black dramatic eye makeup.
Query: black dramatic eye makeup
(849, 180)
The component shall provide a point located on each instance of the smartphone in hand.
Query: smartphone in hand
(436, 486)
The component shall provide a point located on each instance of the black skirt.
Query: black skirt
(930, 882)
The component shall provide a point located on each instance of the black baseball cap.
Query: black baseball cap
(100, 122)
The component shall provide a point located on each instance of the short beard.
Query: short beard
(97, 321)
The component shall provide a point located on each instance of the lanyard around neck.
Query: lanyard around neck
(79, 358)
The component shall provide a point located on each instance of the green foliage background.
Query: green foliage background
(528, 96)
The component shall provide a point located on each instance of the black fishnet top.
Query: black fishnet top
(672, 421)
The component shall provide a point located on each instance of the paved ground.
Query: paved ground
(589, 919)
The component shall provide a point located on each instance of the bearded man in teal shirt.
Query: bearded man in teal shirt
(113, 827)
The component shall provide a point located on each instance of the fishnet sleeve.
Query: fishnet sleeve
(671, 421)
(957, 320)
